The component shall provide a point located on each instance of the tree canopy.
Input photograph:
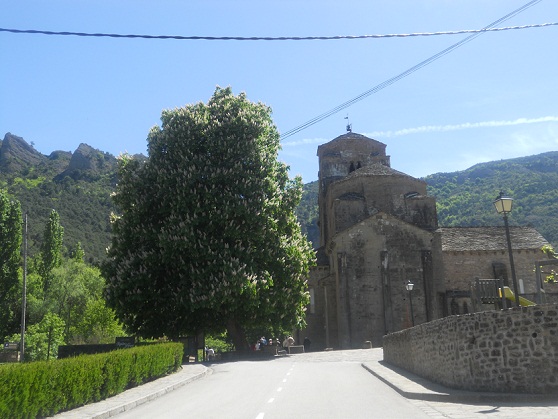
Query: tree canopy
(207, 236)
(10, 237)
(64, 301)
(51, 248)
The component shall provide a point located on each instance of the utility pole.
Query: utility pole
(24, 291)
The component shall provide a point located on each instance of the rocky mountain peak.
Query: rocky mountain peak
(16, 154)
(18, 157)
(90, 162)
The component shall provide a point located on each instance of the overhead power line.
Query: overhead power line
(473, 33)
(404, 74)
(272, 38)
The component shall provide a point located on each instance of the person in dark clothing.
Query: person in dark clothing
(306, 344)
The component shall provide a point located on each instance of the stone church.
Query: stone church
(378, 232)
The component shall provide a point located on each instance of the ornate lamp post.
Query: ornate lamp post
(409, 287)
(503, 205)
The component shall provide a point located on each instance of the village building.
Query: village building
(378, 232)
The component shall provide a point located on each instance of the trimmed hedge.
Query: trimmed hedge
(44, 388)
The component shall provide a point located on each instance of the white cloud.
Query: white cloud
(304, 141)
(464, 126)
(433, 128)
(517, 144)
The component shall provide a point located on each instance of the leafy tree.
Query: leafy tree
(207, 237)
(75, 297)
(43, 339)
(97, 325)
(73, 285)
(78, 254)
(218, 342)
(75, 289)
(10, 239)
(51, 248)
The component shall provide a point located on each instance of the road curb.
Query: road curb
(136, 396)
(412, 386)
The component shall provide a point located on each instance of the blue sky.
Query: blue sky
(493, 98)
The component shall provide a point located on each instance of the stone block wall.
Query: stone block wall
(374, 261)
(513, 350)
(321, 314)
(461, 267)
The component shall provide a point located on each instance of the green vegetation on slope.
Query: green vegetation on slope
(77, 186)
(465, 198)
(307, 213)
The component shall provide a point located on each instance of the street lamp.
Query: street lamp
(409, 287)
(503, 205)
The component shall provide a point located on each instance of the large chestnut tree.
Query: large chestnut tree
(206, 237)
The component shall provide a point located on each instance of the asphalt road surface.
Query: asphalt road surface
(313, 385)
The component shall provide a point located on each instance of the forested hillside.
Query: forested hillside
(78, 186)
(307, 212)
(465, 198)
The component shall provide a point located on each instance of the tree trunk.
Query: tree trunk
(49, 341)
(238, 335)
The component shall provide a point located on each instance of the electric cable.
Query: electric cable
(271, 38)
(473, 34)
(404, 74)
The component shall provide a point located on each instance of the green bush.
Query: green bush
(46, 387)
(117, 372)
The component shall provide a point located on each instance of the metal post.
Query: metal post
(541, 296)
(504, 302)
(24, 290)
(512, 266)
(411, 304)
(538, 282)
(326, 317)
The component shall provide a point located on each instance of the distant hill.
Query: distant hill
(465, 198)
(307, 212)
(78, 186)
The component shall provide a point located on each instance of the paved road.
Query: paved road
(302, 386)
(338, 384)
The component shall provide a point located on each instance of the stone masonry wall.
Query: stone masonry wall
(461, 267)
(514, 350)
(321, 316)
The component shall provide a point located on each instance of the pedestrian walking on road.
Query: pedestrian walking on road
(306, 344)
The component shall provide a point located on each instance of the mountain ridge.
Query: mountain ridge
(465, 198)
(78, 186)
